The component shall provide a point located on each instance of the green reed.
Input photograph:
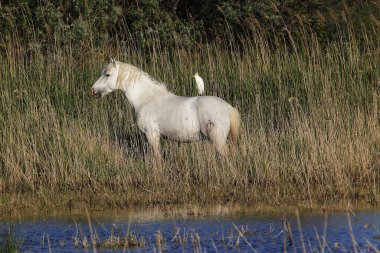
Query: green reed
(9, 242)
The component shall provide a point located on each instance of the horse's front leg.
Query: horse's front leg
(154, 141)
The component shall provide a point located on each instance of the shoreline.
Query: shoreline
(25, 205)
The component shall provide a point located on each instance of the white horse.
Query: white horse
(160, 112)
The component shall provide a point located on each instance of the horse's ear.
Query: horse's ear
(112, 60)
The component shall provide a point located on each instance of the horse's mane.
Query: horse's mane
(136, 73)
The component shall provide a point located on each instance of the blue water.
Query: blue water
(208, 234)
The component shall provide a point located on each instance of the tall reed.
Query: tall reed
(310, 125)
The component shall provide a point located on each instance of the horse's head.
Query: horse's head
(107, 82)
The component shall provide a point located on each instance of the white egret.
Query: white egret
(200, 83)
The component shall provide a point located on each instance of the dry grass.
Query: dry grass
(310, 126)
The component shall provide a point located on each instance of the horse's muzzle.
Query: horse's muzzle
(95, 93)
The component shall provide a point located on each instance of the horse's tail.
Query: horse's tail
(234, 124)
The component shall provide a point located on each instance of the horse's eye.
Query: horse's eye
(107, 75)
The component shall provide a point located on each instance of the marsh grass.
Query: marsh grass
(310, 125)
(111, 242)
(9, 243)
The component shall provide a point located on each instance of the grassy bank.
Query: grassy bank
(310, 125)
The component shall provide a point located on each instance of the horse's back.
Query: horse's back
(212, 101)
(211, 106)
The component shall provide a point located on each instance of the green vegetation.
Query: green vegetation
(8, 241)
(309, 112)
(45, 24)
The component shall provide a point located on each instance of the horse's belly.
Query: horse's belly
(187, 131)
(184, 137)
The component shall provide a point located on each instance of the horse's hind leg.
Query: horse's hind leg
(218, 137)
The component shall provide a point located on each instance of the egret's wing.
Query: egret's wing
(200, 85)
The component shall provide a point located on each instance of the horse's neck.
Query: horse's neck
(143, 90)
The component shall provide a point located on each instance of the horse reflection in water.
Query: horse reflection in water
(160, 112)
